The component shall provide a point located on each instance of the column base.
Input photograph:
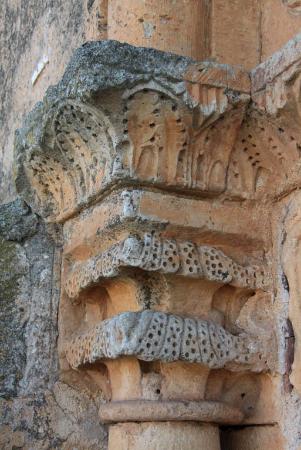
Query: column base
(164, 436)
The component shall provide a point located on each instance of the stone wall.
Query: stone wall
(38, 409)
(37, 39)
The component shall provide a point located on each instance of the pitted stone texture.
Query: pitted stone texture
(14, 272)
(28, 305)
(152, 336)
(120, 123)
(61, 418)
(150, 252)
(17, 221)
(36, 411)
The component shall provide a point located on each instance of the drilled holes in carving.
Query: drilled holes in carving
(74, 160)
(166, 148)
(190, 264)
(151, 253)
(152, 336)
(262, 150)
(170, 261)
(155, 336)
(160, 137)
(191, 347)
(83, 137)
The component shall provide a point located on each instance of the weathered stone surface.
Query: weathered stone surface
(163, 172)
(165, 436)
(155, 411)
(152, 24)
(140, 209)
(229, 41)
(37, 39)
(280, 21)
(151, 336)
(37, 411)
(279, 62)
(17, 224)
(155, 132)
(60, 418)
(152, 253)
(294, 6)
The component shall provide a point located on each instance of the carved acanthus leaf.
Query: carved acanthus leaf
(183, 132)
(276, 114)
(172, 131)
(152, 253)
(72, 162)
(264, 154)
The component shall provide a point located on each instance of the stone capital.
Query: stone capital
(124, 115)
(153, 164)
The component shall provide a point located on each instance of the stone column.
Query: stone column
(164, 435)
(137, 153)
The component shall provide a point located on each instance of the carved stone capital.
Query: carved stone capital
(153, 164)
(157, 122)
(165, 122)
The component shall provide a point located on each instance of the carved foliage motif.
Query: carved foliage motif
(152, 253)
(160, 137)
(74, 160)
(263, 152)
(151, 336)
(156, 140)
(169, 148)
(232, 154)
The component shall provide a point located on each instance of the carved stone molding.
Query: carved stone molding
(152, 336)
(151, 253)
(149, 411)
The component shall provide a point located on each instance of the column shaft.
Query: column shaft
(163, 436)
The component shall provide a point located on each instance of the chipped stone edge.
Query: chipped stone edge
(274, 66)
